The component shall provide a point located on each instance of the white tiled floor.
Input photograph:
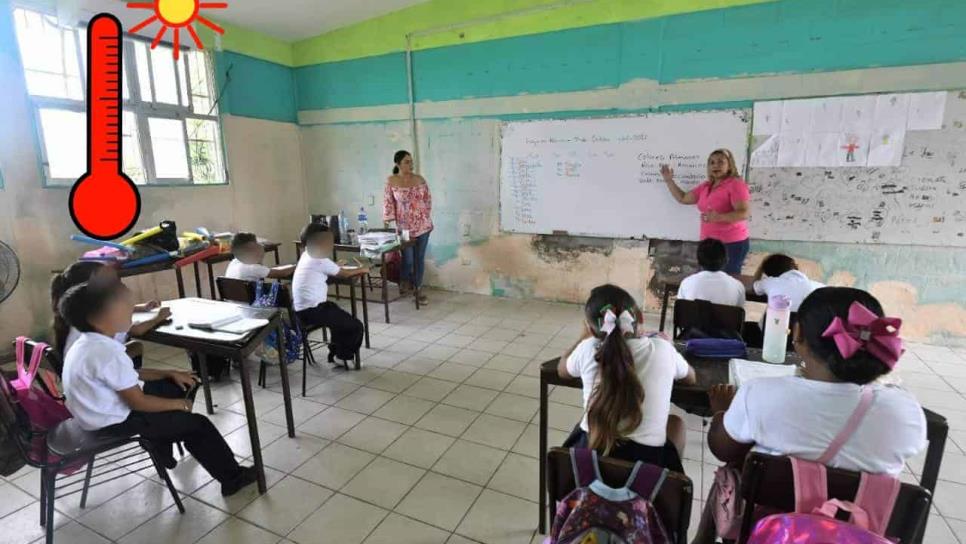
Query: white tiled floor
(435, 441)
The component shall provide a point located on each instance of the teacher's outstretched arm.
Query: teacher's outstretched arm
(678, 193)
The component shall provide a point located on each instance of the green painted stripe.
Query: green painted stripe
(387, 34)
(371, 81)
(248, 42)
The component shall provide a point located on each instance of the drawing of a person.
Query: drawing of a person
(850, 148)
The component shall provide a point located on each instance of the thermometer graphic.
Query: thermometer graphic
(104, 202)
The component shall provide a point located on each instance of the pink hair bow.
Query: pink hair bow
(864, 330)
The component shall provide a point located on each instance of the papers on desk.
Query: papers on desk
(236, 324)
(741, 371)
(374, 244)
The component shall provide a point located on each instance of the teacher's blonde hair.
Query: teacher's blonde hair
(732, 167)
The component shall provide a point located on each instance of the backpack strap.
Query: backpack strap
(584, 462)
(865, 401)
(646, 480)
(811, 485)
(25, 377)
(877, 497)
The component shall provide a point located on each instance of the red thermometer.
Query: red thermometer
(104, 202)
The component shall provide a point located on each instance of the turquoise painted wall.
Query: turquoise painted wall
(791, 36)
(255, 88)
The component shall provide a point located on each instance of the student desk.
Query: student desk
(223, 257)
(351, 282)
(694, 399)
(147, 269)
(170, 334)
(673, 286)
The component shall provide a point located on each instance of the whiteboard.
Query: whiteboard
(600, 177)
(920, 202)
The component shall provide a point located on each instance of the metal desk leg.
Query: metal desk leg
(211, 280)
(246, 381)
(205, 381)
(542, 453)
(197, 279)
(365, 308)
(664, 301)
(277, 260)
(286, 388)
(385, 284)
(180, 278)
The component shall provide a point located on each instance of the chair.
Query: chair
(768, 481)
(673, 502)
(244, 292)
(714, 319)
(67, 448)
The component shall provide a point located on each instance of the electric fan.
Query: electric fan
(9, 271)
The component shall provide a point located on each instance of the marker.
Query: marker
(104, 203)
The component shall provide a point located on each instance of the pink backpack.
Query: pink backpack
(595, 512)
(815, 517)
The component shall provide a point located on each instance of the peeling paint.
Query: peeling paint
(567, 249)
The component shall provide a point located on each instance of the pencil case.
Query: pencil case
(716, 348)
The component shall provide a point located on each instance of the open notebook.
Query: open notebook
(742, 370)
(236, 324)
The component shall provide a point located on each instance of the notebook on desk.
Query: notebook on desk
(741, 371)
(235, 324)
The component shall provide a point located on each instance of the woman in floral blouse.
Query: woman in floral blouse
(407, 202)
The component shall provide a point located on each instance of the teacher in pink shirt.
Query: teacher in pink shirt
(723, 203)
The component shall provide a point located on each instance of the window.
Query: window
(170, 127)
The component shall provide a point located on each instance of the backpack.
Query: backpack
(293, 336)
(597, 513)
(815, 518)
(10, 458)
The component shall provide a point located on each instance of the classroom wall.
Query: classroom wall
(353, 113)
(265, 193)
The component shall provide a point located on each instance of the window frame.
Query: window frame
(135, 105)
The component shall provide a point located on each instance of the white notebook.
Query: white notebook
(741, 371)
(236, 324)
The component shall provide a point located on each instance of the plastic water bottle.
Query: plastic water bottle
(343, 227)
(776, 329)
(363, 221)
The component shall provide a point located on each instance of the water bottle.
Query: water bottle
(363, 221)
(776, 329)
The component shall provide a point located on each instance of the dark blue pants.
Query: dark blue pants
(414, 261)
(737, 251)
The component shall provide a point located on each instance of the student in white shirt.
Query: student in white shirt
(105, 393)
(627, 381)
(78, 273)
(247, 264)
(779, 275)
(310, 293)
(845, 344)
(711, 283)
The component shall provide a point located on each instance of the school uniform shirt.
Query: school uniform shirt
(73, 335)
(658, 365)
(722, 199)
(238, 270)
(798, 417)
(793, 284)
(715, 287)
(309, 287)
(95, 369)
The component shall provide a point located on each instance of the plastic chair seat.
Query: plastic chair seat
(67, 439)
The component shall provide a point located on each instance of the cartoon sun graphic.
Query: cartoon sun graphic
(177, 14)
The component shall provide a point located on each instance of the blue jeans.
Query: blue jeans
(737, 251)
(414, 261)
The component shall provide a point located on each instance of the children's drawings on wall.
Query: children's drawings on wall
(842, 131)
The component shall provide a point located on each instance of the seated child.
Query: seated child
(81, 272)
(711, 283)
(310, 293)
(247, 264)
(105, 393)
(779, 275)
(845, 344)
(627, 381)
